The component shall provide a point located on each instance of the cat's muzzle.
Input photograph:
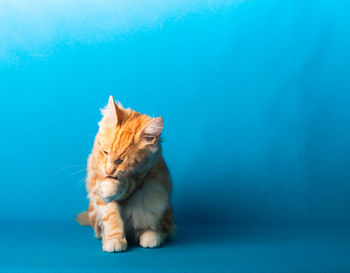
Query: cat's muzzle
(116, 177)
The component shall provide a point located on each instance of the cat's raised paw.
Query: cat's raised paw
(107, 190)
(114, 245)
(150, 239)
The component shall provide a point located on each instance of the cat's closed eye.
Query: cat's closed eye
(105, 152)
(118, 161)
(149, 138)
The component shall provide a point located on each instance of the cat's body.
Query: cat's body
(128, 182)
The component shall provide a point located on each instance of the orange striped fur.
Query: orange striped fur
(128, 182)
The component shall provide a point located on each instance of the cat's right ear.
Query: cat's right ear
(111, 113)
(152, 130)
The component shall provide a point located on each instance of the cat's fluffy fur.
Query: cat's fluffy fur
(128, 182)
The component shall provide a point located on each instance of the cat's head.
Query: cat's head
(127, 141)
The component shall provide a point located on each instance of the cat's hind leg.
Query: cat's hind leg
(94, 219)
(151, 239)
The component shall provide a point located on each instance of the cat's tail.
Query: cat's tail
(83, 218)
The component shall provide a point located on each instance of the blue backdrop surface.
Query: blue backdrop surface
(255, 96)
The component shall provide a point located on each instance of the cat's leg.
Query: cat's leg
(113, 237)
(94, 219)
(166, 223)
(150, 238)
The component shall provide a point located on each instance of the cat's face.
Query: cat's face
(126, 140)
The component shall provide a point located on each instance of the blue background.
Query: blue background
(255, 96)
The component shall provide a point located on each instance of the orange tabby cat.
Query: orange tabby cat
(128, 182)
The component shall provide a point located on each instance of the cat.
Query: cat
(128, 182)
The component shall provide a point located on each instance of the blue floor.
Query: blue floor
(67, 247)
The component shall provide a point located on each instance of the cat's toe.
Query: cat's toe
(150, 239)
(114, 245)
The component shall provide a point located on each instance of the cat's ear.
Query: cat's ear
(111, 113)
(152, 130)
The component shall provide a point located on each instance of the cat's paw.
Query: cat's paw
(114, 244)
(107, 190)
(151, 239)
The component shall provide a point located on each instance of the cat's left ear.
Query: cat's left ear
(112, 115)
(152, 130)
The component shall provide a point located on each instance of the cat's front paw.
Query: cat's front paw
(107, 190)
(114, 244)
(151, 239)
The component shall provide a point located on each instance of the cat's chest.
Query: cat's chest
(145, 207)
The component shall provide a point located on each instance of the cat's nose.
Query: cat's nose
(109, 170)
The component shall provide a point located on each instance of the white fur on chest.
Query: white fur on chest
(145, 207)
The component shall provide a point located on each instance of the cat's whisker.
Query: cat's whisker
(82, 170)
(82, 179)
(70, 167)
(81, 182)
